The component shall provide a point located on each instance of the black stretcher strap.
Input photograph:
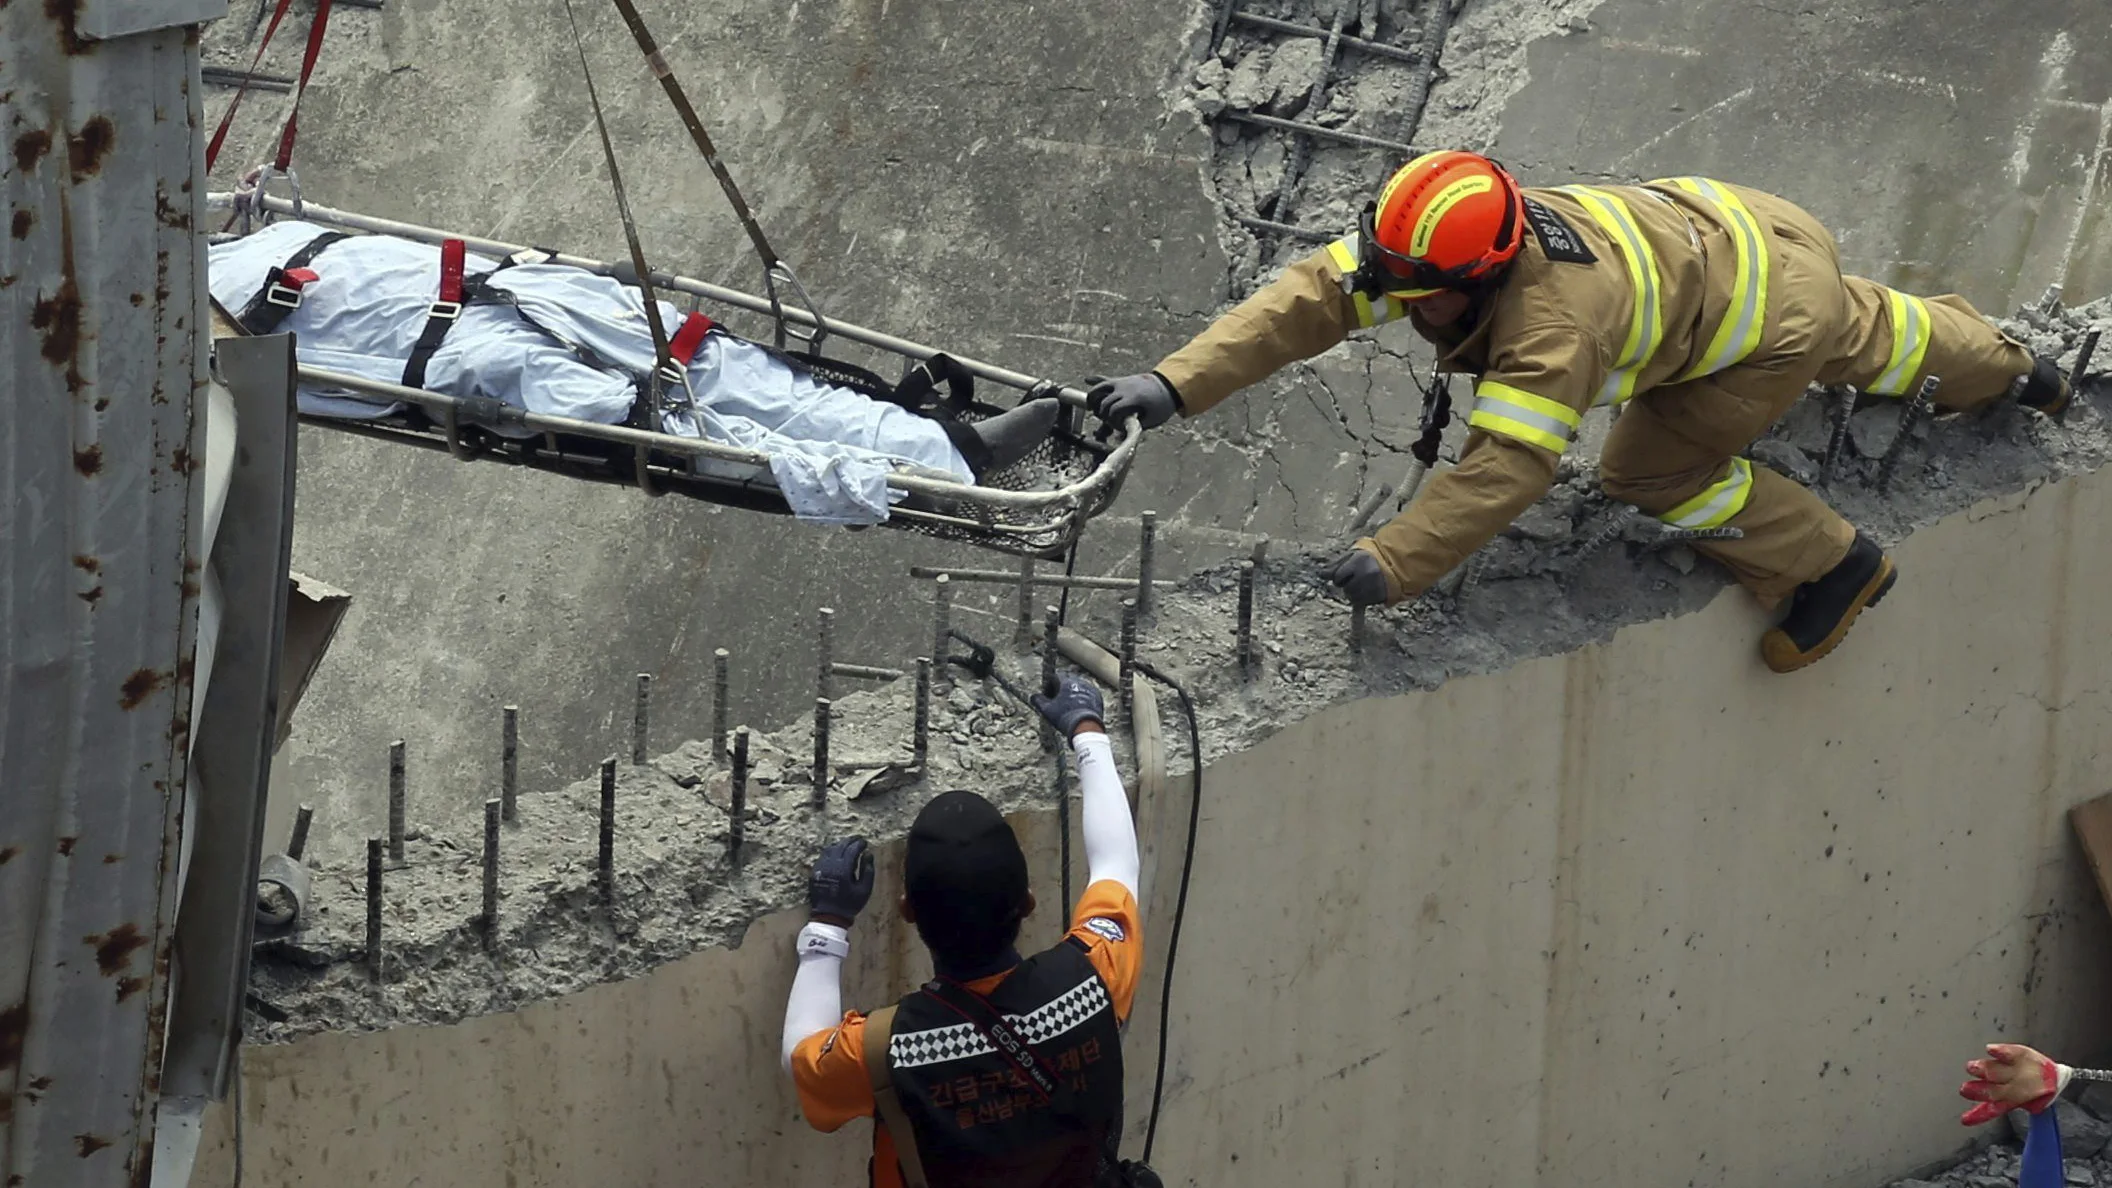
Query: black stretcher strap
(281, 292)
(445, 312)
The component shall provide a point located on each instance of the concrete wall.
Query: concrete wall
(1020, 181)
(1639, 914)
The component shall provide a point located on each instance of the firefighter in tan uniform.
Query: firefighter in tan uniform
(1701, 310)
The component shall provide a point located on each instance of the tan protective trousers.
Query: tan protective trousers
(1671, 443)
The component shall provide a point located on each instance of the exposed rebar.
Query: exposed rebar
(1355, 138)
(1125, 676)
(1023, 630)
(1147, 535)
(869, 672)
(1433, 47)
(941, 616)
(1271, 226)
(1377, 49)
(298, 843)
(1042, 581)
(920, 738)
(1356, 628)
(641, 716)
(1677, 536)
(1909, 420)
(509, 761)
(1245, 648)
(720, 662)
(821, 753)
(605, 852)
(396, 800)
(492, 810)
(1051, 628)
(736, 830)
(374, 909)
(1300, 154)
(1837, 441)
(1605, 534)
(825, 649)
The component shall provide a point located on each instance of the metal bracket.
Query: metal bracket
(812, 337)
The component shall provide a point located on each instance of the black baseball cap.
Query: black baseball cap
(965, 874)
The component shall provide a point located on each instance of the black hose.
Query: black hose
(1063, 790)
(1180, 902)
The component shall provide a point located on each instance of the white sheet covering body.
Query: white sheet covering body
(830, 448)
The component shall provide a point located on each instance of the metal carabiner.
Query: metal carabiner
(812, 338)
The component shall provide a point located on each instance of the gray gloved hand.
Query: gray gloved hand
(842, 882)
(1072, 702)
(1358, 575)
(1147, 397)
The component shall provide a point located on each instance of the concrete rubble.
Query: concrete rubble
(1572, 571)
(2086, 1149)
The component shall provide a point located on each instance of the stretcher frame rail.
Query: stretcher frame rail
(1046, 520)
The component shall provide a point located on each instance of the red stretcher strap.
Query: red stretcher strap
(212, 150)
(451, 256)
(284, 160)
(689, 338)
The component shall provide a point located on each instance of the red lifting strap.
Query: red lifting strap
(315, 49)
(451, 255)
(683, 347)
(212, 150)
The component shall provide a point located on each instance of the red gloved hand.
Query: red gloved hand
(2012, 1077)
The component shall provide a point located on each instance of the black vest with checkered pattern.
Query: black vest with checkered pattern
(978, 1121)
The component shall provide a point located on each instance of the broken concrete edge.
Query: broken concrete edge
(1541, 589)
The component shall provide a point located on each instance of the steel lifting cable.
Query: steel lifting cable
(774, 267)
(663, 352)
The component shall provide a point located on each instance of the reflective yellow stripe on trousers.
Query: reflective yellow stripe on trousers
(1370, 312)
(1646, 328)
(1517, 413)
(1718, 502)
(1910, 343)
(1738, 335)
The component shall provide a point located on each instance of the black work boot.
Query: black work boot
(1822, 611)
(2043, 389)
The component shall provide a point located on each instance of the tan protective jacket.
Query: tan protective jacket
(1619, 289)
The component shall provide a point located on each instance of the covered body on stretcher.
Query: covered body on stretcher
(563, 341)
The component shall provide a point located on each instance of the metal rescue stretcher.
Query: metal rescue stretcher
(1036, 507)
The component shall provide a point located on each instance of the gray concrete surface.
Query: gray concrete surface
(1636, 913)
(1033, 188)
(1014, 189)
(1953, 145)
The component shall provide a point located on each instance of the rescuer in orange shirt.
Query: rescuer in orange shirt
(1000, 1071)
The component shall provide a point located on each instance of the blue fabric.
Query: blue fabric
(831, 449)
(2042, 1166)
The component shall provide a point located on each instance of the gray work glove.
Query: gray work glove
(1071, 702)
(1358, 575)
(1147, 397)
(842, 882)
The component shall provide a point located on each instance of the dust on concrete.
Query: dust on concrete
(1574, 569)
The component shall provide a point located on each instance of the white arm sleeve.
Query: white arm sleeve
(817, 992)
(1110, 834)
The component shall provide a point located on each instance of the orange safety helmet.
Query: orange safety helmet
(1446, 220)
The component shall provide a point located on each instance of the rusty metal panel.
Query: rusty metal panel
(102, 20)
(101, 308)
(238, 724)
